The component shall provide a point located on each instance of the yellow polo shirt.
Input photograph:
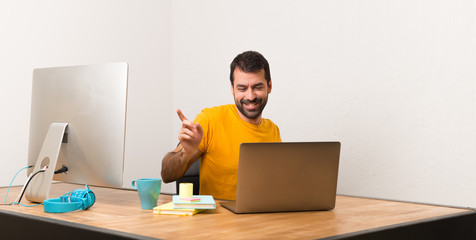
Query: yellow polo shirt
(223, 132)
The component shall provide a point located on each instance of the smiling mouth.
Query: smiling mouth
(251, 106)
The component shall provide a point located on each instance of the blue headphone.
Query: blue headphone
(71, 201)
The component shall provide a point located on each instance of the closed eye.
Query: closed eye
(258, 86)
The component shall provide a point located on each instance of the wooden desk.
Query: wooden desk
(118, 211)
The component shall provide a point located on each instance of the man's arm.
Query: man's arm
(176, 163)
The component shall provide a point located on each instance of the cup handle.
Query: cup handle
(134, 184)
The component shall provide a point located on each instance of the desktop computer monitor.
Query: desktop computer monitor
(78, 121)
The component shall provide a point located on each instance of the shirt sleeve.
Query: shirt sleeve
(279, 134)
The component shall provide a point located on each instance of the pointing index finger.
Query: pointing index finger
(180, 115)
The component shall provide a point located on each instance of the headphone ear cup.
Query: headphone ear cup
(85, 195)
(90, 199)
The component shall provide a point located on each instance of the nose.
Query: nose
(250, 95)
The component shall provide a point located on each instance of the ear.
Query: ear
(270, 86)
(232, 89)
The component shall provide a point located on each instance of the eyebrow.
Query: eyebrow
(243, 85)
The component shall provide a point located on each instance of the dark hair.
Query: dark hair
(250, 62)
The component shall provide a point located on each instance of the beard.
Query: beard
(255, 113)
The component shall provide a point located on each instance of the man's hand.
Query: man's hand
(176, 163)
(190, 135)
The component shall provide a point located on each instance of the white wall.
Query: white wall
(62, 33)
(394, 81)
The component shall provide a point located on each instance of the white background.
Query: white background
(394, 81)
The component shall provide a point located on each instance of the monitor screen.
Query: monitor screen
(90, 103)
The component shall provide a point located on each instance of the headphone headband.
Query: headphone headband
(71, 201)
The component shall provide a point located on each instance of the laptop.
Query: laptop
(287, 176)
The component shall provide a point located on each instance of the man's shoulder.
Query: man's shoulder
(269, 123)
(222, 109)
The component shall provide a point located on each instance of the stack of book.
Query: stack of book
(186, 206)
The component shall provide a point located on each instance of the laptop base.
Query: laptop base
(229, 205)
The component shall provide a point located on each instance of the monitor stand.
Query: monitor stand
(39, 186)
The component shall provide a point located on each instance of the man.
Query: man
(216, 134)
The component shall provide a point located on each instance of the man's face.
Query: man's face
(251, 94)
